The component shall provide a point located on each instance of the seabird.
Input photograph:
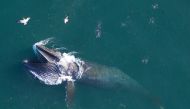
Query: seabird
(24, 21)
(66, 19)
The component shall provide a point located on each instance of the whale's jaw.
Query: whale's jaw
(48, 73)
(53, 67)
(45, 68)
(46, 54)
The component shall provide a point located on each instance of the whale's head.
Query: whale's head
(45, 54)
(53, 67)
(44, 67)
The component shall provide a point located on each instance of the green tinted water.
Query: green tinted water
(148, 40)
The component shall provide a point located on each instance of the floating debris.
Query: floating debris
(123, 24)
(145, 61)
(66, 20)
(151, 20)
(24, 21)
(155, 6)
(98, 30)
(123, 106)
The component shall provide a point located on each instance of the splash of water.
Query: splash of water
(63, 64)
(42, 42)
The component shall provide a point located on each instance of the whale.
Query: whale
(53, 67)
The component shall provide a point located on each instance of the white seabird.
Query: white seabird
(66, 20)
(24, 21)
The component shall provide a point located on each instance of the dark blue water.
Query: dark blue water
(148, 40)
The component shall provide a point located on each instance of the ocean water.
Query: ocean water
(148, 40)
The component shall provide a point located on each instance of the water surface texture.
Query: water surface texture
(146, 39)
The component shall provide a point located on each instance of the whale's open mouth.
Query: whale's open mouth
(53, 67)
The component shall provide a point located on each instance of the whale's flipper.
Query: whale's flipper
(70, 89)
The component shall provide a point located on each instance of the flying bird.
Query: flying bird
(24, 21)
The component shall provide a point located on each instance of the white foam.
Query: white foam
(66, 78)
(65, 60)
(42, 42)
(61, 48)
(69, 58)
